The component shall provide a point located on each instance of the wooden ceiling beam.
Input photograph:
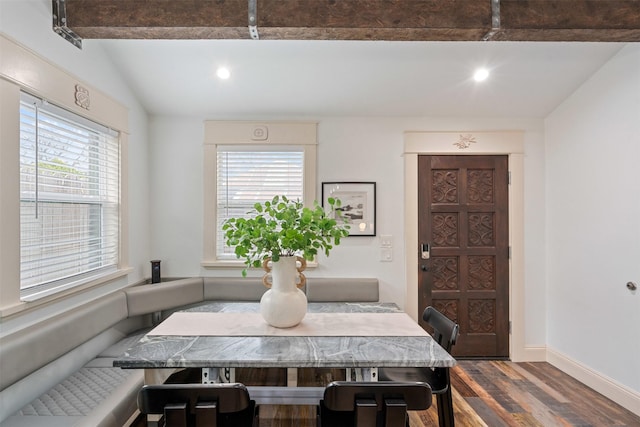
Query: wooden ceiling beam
(570, 20)
(436, 20)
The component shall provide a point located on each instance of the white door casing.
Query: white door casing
(509, 143)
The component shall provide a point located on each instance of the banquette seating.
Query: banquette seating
(59, 371)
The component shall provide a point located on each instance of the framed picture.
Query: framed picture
(358, 205)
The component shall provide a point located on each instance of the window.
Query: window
(69, 198)
(242, 169)
(246, 176)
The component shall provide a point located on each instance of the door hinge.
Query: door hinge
(509, 326)
(509, 177)
(509, 252)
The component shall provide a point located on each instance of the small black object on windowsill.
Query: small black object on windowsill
(156, 317)
(155, 271)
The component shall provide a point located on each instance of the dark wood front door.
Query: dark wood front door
(463, 217)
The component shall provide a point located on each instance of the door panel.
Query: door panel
(463, 217)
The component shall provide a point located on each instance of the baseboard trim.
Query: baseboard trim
(621, 394)
(534, 354)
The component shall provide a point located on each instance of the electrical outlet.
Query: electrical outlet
(386, 255)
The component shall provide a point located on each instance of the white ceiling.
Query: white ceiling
(354, 78)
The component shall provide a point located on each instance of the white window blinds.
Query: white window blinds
(69, 198)
(246, 175)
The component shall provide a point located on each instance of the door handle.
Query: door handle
(425, 251)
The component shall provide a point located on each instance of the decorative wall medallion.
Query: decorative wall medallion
(465, 141)
(260, 133)
(82, 97)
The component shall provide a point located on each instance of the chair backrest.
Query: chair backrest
(367, 404)
(445, 330)
(186, 405)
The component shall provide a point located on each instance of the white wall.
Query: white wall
(349, 149)
(175, 158)
(591, 199)
(28, 22)
(593, 227)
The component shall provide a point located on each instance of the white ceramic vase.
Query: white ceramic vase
(284, 305)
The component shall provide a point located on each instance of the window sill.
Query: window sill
(31, 302)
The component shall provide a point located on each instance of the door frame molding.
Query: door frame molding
(510, 143)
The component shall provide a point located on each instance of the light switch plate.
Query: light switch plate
(386, 241)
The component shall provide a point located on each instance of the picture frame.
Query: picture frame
(358, 205)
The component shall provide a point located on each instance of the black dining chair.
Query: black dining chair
(371, 404)
(199, 405)
(445, 332)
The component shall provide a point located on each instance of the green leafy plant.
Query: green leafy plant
(284, 227)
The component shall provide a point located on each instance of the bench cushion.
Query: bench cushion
(233, 289)
(79, 394)
(92, 396)
(37, 421)
(342, 290)
(29, 349)
(146, 299)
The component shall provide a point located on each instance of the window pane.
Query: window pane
(69, 192)
(246, 177)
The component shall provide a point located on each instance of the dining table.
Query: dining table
(218, 337)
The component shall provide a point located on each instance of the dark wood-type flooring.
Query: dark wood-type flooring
(485, 393)
(493, 394)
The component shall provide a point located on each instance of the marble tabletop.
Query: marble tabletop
(352, 351)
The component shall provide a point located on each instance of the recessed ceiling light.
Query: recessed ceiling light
(223, 73)
(481, 74)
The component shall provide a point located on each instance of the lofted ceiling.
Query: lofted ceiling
(355, 57)
(353, 78)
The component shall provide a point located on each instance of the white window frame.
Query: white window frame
(107, 200)
(250, 134)
(23, 70)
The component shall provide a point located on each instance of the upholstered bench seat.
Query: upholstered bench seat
(78, 394)
(95, 395)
